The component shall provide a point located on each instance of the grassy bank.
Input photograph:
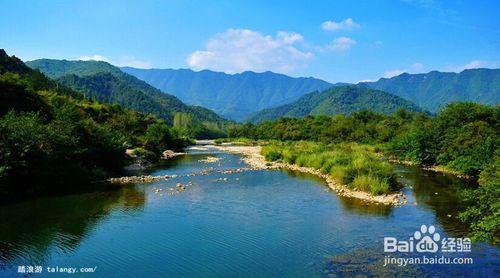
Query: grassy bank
(353, 165)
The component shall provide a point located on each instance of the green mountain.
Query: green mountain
(234, 96)
(52, 139)
(435, 89)
(337, 100)
(106, 83)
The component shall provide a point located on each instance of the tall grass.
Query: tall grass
(354, 165)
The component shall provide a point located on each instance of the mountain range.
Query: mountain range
(337, 100)
(238, 96)
(259, 96)
(104, 82)
(435, 89)
(234, 96)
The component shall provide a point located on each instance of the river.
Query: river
(257, 223)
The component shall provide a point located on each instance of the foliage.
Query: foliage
(232, 96)
(351, 164)
(463, 138)
(101, 81)
(337, 100)
(50, 136)
(144, 154)
(483, 212)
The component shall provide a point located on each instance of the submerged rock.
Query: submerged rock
(209, 159)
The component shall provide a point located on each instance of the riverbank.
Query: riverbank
(433, 168)
(252, 156)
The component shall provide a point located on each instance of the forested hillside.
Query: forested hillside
(234, 96)
(337, 100)
(52, 138)
(106, 83)
(435, 89)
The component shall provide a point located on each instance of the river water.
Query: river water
(249, 224)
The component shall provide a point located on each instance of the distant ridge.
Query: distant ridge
(435, 89)
(337, 100)
(234, 96)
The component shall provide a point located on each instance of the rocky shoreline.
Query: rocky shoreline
(252, 156)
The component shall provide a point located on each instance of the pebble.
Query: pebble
(138, 179)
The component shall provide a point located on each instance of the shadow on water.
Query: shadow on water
(357, 206)
(29, 229)
(351, 205)
(437, 192)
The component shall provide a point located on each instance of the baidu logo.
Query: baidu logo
(427, 240)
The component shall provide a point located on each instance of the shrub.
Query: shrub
(271, 154)
(483, 214)
(289, 156)
(145, 154)
(327, 166)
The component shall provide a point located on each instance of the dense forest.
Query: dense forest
(104, 82)
(462, 138)
(337, 100)
(52, 137)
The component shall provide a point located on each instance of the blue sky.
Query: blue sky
(337, 41)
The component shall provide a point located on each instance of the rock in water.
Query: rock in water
(170, 154)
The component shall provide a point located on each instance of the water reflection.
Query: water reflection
(351, 205)
(367, 263)
(436, 192)
(29, 229)
(357, 206)
(254, 223)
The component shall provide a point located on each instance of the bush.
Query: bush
(145, 154)
(372, 184)
(327, 166)
(343, 174)
(483, 213)
(271, 154)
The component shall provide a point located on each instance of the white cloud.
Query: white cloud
(365, 80)
(124, 61)
(416, 67)
(131, 61)
(237, 50)
(392, 73)
(94, 57)
(347, 24)
(340, 44)
(474, 64)
(413, 68)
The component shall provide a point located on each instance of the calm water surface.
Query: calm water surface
(253, 224)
